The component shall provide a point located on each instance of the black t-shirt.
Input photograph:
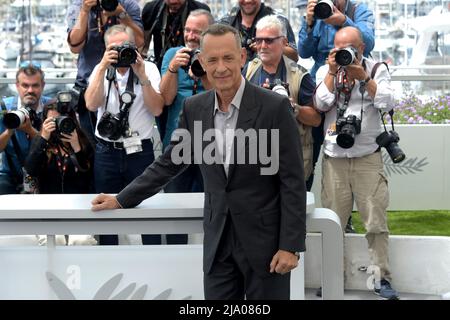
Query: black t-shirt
(153, 14)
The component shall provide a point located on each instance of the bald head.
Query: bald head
(349, 37)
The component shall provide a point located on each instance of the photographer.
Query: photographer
(316, 35)
(164, 22)
(316, 39)
(179, 82)
(61, 156)
(352, 91)
(245, 17)
(16, 133)
(124, 90)
(87, 22)
(272, 67)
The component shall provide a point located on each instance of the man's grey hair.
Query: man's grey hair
(202, 12)
(219, 29)
(272, 22)
(119, 28)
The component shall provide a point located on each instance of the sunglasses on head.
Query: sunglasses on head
(266, 40)
(27, 64)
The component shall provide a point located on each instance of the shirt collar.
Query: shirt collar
(237, 99)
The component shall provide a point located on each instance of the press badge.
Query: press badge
(133, 143)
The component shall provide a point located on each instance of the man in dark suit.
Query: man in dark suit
(254, 216)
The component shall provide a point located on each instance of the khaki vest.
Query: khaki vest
(294, 77)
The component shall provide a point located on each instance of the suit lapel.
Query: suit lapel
(248, 112)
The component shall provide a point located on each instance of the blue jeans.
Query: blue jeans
(7, 185)
(114, 170)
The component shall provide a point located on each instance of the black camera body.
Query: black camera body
(113, 126)
(389, 141)
(279, 87)
(107, 5)
(323, 9)
(65, 124)
(127, 55)
(246, 42)
(110, 126)
(15, 118)
(194, 63)
(66, 102)
(346, 56)
(347, 128)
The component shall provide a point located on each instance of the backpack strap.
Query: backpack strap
(375, 68)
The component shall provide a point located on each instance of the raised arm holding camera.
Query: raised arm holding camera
(353, 92)
(323, 18)
(87, 22)
(124, 90)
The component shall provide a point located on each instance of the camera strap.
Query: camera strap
(111, 77)
(124, 108)
(148, 33)
(391, 114)
(342, 85)
(176, 29)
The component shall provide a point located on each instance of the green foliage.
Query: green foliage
(414, 223)
(414, 110)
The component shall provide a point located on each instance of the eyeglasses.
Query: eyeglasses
(266, 40)
(28, 64)
(194, 31)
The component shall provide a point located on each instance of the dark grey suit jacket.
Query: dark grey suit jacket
(267, 211)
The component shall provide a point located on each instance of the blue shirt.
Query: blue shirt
(318, 42)
(185, 89)
(22, 139)
(94, 47)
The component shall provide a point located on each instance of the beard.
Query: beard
(30, 99)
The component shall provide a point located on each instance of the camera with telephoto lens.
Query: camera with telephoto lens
(127, 55)
(346, 56)
(107, 5)
(194, 63)
(323, 9)
(347, 128)
(389, 141)
(280, 87)
(111, 126)
(15, 118)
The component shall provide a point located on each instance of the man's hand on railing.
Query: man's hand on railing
(105, 202)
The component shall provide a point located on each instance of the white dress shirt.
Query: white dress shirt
(225, 123)
(140, 118)
(371, 125)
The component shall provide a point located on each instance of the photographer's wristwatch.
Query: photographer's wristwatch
(123, 15)
(146, 82)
